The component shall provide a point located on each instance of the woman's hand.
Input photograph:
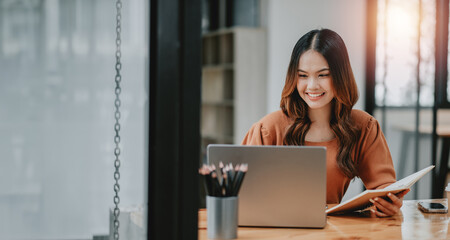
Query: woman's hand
(390, 207)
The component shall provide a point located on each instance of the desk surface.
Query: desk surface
(409, 224)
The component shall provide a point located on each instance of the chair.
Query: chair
(443, 133)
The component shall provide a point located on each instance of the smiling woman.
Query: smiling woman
(317, 110)
(321, 118)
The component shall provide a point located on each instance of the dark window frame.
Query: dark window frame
(174, 119)
(441, 54)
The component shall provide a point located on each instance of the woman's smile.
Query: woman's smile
(315, 96)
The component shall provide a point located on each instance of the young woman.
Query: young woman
(316, 110)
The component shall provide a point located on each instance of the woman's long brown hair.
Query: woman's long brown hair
(331, 46)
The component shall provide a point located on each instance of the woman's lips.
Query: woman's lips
(315, 96)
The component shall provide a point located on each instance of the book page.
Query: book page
(408, 181)
(362, 200)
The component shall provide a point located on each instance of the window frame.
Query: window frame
(174, 119)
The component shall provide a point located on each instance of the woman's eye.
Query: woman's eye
(302, 76)
(324, 75)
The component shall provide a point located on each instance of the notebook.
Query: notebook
(285, 186)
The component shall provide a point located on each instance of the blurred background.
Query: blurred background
(57, 94)
(57, 60)
(391, 44)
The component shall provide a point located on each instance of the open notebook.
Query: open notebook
(361, 201)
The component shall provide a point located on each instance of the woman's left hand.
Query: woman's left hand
(390, 207)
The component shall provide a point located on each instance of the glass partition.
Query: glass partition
(57, 61)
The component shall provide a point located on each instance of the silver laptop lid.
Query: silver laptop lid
(285, 186)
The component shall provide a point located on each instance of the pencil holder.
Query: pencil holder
(447, 195)
(222, 217)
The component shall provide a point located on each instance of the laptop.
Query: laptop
(285, 186)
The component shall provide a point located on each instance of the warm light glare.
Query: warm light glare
(400, 20)
(399, 35)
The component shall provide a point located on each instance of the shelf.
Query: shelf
(230, 30)
(216, 121)
(218, 49)
(218, 139)
(217, 67)
(218, 32)
(233, 84)
(224, 103)
(217, 86)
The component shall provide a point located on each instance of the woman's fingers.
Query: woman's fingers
(396, 200)
(403, 193)
(376, 213)
(385, 207)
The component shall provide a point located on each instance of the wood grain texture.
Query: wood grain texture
(410, 223)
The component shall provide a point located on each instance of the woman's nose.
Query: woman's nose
(312, 83)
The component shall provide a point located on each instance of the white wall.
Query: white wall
(287, 20)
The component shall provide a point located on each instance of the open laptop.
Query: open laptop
(285, 186)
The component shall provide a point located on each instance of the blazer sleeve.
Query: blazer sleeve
(375, 166)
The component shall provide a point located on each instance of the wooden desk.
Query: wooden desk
(409, 224)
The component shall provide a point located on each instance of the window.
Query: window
(404, 53)
(57, 116)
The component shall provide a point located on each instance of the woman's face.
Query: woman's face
(314, 82)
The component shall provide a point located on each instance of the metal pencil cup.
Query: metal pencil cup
(222, 217)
